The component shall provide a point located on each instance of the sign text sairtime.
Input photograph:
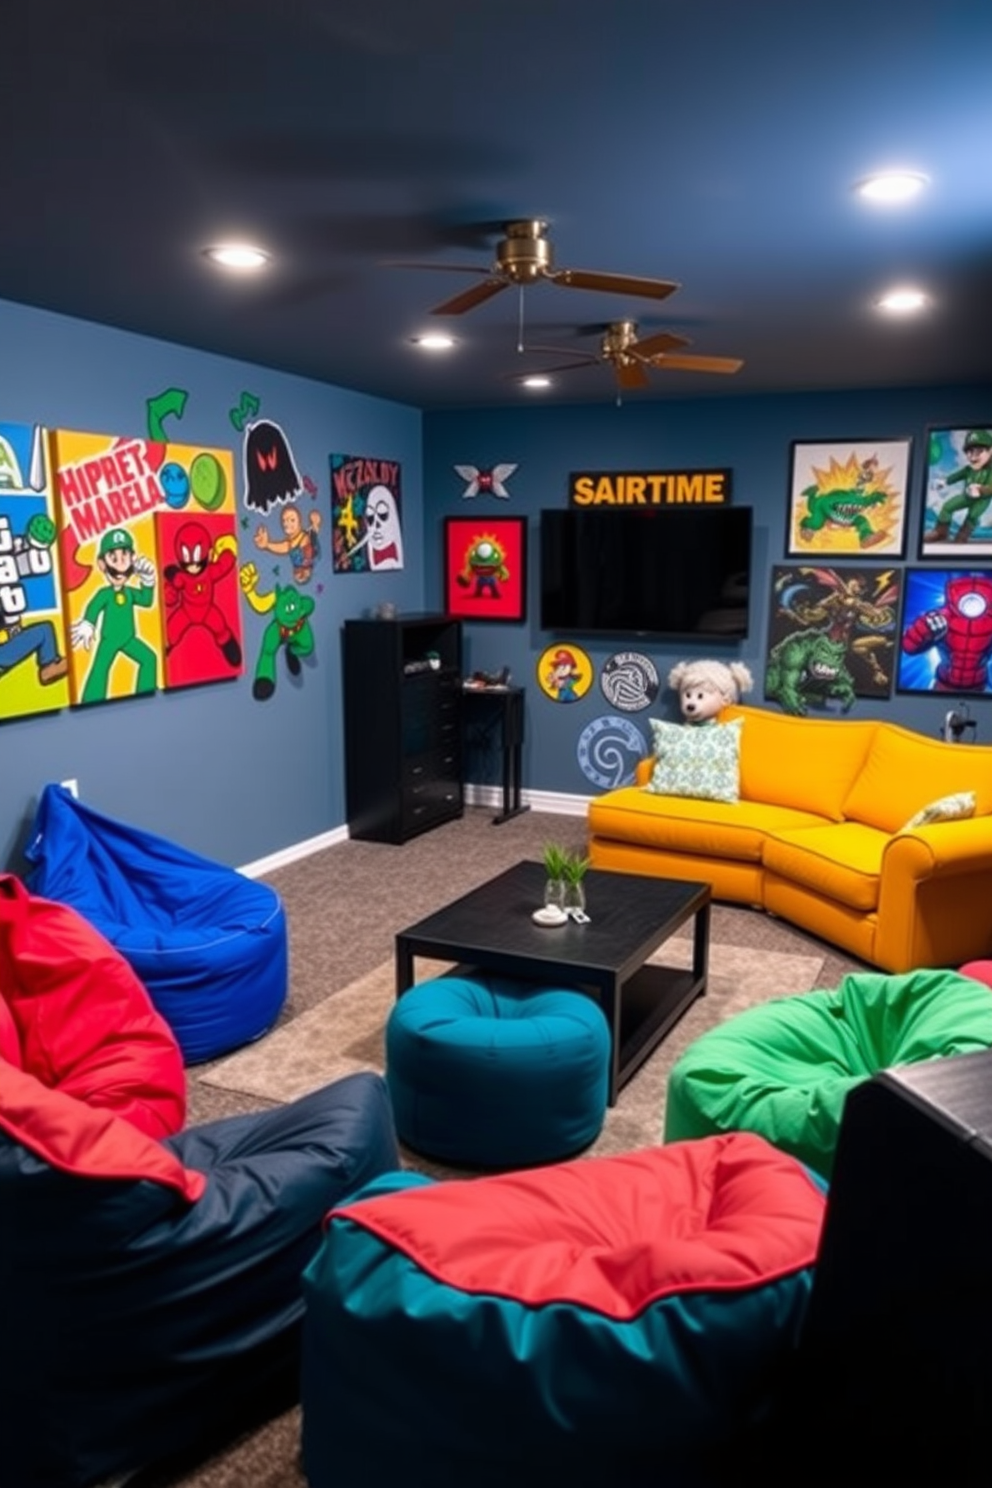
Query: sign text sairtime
(650, 488)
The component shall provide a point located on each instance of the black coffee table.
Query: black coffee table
(630, 916)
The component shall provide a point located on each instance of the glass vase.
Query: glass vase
(554, 893)
(575, 896)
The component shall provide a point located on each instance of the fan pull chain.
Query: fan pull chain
(520, 317)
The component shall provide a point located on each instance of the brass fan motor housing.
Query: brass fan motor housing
(524, 255)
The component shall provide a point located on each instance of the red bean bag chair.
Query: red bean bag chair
(151, 1276)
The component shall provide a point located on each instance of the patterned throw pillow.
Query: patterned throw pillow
(948, 808)
(697, 760)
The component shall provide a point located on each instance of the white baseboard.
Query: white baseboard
(556, 802)
(294, 853)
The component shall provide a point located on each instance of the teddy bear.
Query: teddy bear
(704, 687)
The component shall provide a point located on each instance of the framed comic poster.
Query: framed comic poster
(957, 498)
(832, 634)
(945, 643)
(485, 567)
(848, 499)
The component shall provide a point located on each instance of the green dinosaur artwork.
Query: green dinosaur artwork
(845, 509)
(848, 498)
(807, 668)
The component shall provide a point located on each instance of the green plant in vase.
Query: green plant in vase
(574, 869)
(556, 860)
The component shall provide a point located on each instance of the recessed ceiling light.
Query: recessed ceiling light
(237, 256)
(435, 341)
(902, 301)
(892, 187)
(537, 381)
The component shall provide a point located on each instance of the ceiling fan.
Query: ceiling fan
(631, 356)
(525, 256)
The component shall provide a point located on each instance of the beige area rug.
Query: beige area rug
(344, 1034)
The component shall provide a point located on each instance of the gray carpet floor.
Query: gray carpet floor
(344, 906)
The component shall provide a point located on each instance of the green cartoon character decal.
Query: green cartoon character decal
(288, 628)
(808, 668)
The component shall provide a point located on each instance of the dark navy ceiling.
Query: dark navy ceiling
(716, 143)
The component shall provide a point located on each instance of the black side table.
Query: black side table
(483, 709)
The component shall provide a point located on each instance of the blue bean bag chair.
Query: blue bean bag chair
(487, 1071)
(620, 1320)
(152, 1292)
(209, 944)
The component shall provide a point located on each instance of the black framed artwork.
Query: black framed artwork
(847, 498)
(956, 523)
(833, 632)
(946, 632)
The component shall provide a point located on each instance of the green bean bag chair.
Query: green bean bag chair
(783, 1069)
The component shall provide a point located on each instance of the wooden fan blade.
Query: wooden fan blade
(580, 356)
(444, 268)
(631, 375)
(469, 298)
(696, 363)
(649, 346)
(652, 289)
(586, 361)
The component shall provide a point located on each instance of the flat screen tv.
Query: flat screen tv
(671, 572)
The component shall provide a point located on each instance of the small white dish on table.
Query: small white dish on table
(549, 914)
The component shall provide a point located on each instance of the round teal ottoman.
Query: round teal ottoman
(783, 1069)
(490, 1072)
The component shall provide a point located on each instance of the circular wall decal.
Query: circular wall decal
(564, 673)
(629, 681)
(609, 749)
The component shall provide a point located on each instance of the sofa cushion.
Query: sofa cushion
(842, 861)
(711, 829)
(807, 763)
(905, 771)
(699, 761)
(949, 808)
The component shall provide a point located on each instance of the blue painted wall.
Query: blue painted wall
(209, 767)
(239, 780)
(752, 436)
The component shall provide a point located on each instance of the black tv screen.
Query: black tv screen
(669, 572)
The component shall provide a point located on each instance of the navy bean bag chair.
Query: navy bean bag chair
(209, 944)
(150, 1277)
(622, 1320)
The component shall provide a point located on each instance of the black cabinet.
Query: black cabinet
(402, 725)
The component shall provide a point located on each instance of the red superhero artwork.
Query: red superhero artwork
(202, 639)
(947, 632)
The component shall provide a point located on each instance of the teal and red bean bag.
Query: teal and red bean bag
(151, 1276)
(783, 1069)
(610, 1320)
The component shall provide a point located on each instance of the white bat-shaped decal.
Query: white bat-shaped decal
(490, 482)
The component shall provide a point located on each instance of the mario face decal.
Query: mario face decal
(564, 673)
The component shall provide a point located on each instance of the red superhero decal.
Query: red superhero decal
(189, 589)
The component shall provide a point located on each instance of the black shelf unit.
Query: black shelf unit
(402, 725)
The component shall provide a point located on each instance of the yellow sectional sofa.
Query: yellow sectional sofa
(819, 836)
